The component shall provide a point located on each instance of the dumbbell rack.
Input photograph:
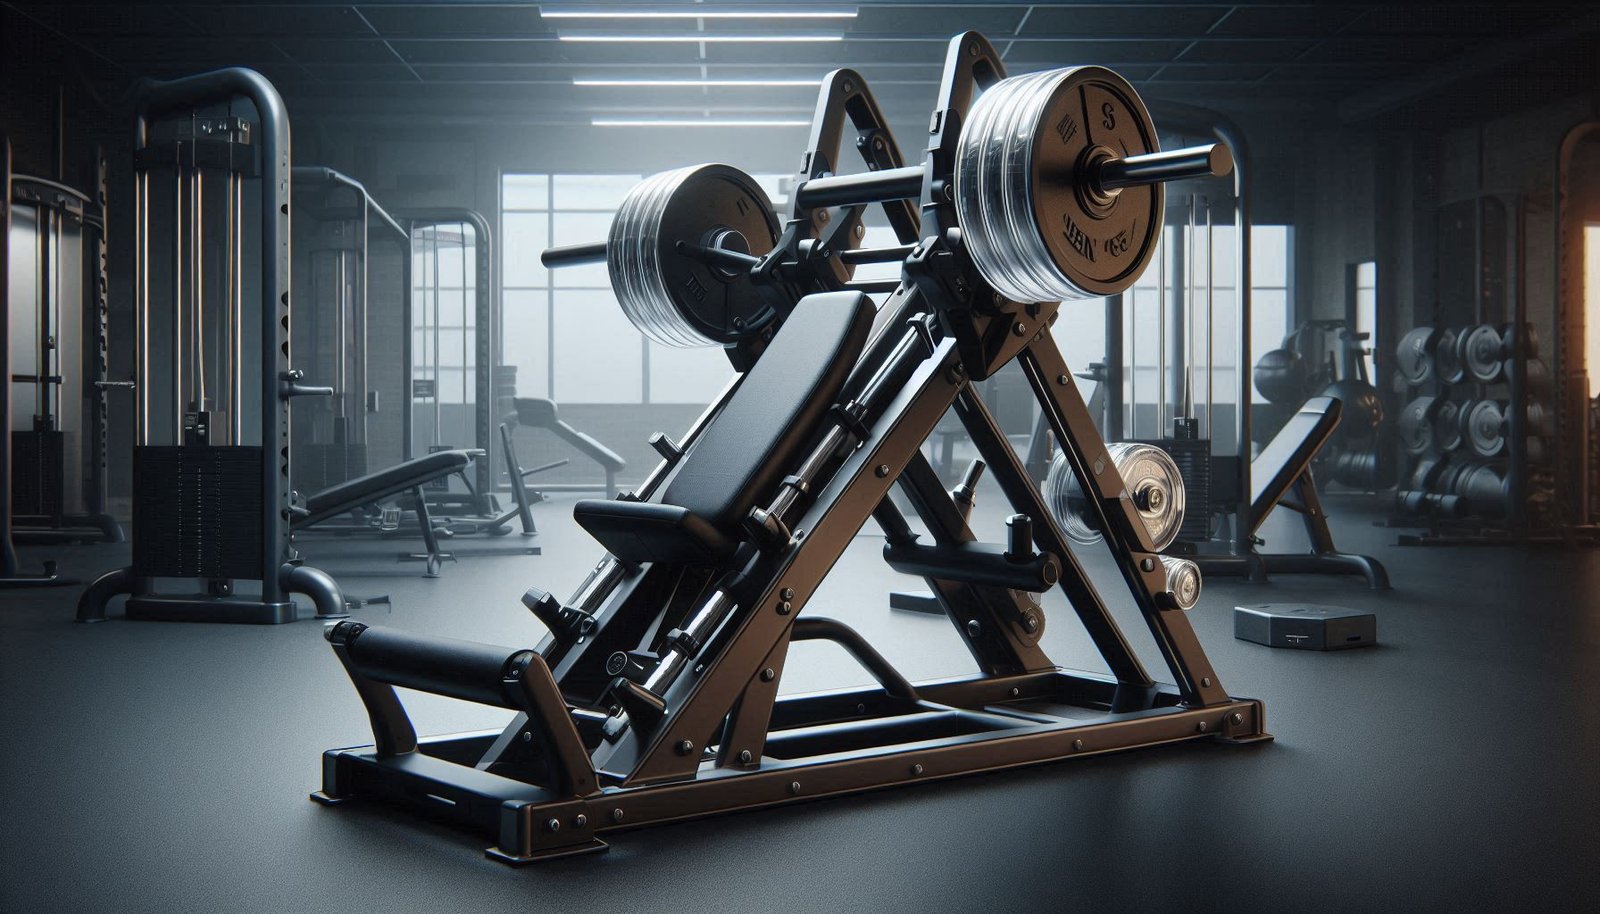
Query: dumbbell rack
(1475, 435)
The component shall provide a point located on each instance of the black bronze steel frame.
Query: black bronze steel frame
(592, 752)
(257, 547)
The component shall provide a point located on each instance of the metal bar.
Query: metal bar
(904, 183)
(1173, 165)
(573, 255)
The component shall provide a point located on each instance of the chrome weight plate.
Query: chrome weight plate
(1151, 478)
(1447, 425)
(1416, 425)
(1037, 227)
(1414, 355)
(1481, 353)
(1483, 427)
(683, 301)
(1447, 356)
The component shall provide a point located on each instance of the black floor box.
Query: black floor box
(1307, 626)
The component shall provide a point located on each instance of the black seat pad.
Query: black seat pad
(754, 441)
(347, 496)
(1289, 452)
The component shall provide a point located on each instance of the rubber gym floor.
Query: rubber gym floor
(165, 767)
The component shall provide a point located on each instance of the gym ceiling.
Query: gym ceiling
(1355, 63)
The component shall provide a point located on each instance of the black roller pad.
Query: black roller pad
(1306, 626)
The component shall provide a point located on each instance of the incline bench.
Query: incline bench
(536, 412)
(410, 476)
(1281, 475)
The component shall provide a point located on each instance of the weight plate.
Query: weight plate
(675, 299)
(1540, 423)
(1481, 353)
(1416, 425)
(1447, 356)
(1447, 425)
(1414, 355)
(1151, 478)
(1483, 427)
(1537, 377)
(1508, 337)
(1484, 490)
(1037, 229)
(1426, 474)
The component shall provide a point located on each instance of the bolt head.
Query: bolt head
(1236, 719)
(1063, 380)
(1015, 691)
(553, 825)
(616, 815)
(1206, 681)
(768, 674)
(1147, 565)
(882, 470)
(1201, 726)
(1077, 745)
(788, 593)
(1019, 328)
(745, 757)
(794, 787)
(785, 608)
(685, 746)
(916, 770)
(582, 821)
(974, 628)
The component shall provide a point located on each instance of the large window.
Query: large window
(563, 329)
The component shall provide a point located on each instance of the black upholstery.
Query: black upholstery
(347, 496)
(750, 445)
(1289, 452)
(536, 412)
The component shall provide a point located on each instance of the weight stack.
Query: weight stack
(37, 488)
(197, 512)
(1193, 457)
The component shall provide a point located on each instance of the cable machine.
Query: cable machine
(211, 501)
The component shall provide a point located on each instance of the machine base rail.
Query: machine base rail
(1258, 566)
(822, 744)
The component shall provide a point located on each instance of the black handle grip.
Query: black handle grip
(572, 255)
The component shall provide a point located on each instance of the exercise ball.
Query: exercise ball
(1281, 377)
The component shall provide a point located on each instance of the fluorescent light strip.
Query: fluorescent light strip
(700, 122)
(696, 37)
(693, 83)
(695, 14)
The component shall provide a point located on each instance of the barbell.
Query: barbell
(1057, 186)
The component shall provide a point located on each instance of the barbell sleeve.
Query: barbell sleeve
(573, 255)
(1174, 165)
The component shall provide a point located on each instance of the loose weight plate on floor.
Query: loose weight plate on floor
(1305, 626)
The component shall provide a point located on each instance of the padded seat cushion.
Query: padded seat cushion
(752, 443)
(347, 496)
(1289, 452)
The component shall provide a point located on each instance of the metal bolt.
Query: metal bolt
(861, 709)
(882, 470)
(1020, 328)
(685, 746)
(785, 608)
(616, 815)
(1201, 726)
(553, 825)
(745, 757)
(1236, 719)
(916, 770)
(699, 668)
(974, 628)
(1063, 380)
(1206, 681)
(767, 675)
(582, 821)
(1031, 623)
(1015, 691)
(1077, 745)
(794, 787)
(822, 215)
(1147, 565)
(788, 593)
(527, 736)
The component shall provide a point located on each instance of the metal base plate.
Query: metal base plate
(206, 608)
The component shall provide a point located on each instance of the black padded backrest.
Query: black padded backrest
(535, 412)
(347, 496)
(1289, 452)
(755, 440)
